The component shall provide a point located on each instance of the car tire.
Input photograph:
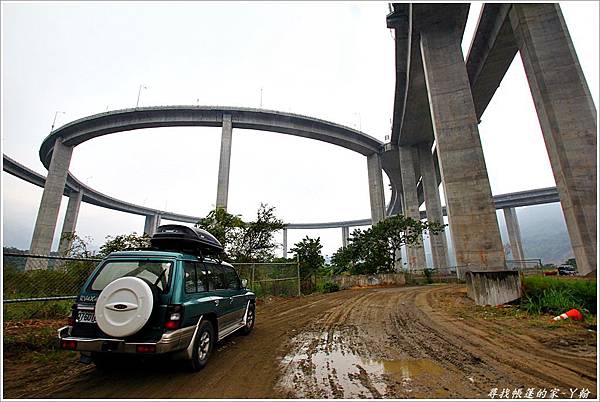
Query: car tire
(250, 318)
(125, 305)
(203, 346)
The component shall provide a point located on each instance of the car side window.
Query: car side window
(189, 269)
(202, 282)
(217, 277)
(231, 278)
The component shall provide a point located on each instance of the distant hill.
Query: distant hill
(19, 262)
(544, 233)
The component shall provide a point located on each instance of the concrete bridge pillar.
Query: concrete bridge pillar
(345, 236)
(376, 187)
(70, 223)
(514, 234)
(152, 222)
(223, 183)
(433, 206)
(285, 243)
(567, 117)
(45, 224)
(471, 211)
(415, 254)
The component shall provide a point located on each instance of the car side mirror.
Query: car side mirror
(244, 283)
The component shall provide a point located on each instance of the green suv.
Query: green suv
(175, 298)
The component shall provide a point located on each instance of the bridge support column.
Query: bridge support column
(410, 203)
(223, 183)
(471, 211)
(514, 234)
(433, 206)
(567, 116)
(376, 188)
(285, 243)
(152, 222)
(70, 223)
(45, 224)
(345, 235)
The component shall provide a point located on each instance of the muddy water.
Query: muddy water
(332, 365)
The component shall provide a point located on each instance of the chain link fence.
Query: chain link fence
(29, 278)
(275, 279)
(41, 278)
(532, 266)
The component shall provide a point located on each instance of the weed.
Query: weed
(557, 295)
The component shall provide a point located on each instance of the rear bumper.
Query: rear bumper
(169, 342)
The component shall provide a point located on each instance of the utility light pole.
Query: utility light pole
(54, 121)
(139, 92)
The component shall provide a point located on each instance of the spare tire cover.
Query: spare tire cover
(124, 306)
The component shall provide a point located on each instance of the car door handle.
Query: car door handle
(216, 302)
(231, 300)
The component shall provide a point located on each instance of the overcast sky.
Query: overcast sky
(334, 61)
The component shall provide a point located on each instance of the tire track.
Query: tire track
(370, 343)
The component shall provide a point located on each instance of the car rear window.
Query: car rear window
(156, 272)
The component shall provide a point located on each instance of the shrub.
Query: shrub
(329, 287)
(429, 274)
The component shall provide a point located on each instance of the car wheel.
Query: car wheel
(125, 305)
(250, 318)
(203, 346)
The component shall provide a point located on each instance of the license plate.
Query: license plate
(86, 316)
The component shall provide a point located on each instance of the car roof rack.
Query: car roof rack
(191, 240)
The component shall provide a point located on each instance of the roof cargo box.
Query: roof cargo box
(186, 239)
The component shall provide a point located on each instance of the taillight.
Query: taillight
(145, 349)
(174, 316)
(70, 345)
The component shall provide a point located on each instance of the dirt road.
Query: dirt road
(391, 343)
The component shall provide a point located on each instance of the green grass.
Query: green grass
(555, 295)
(37, 310)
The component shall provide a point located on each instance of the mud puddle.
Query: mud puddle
(329, 365)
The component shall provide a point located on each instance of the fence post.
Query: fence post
(253, 278)
(298, 266)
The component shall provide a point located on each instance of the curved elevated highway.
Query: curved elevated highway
(91, 196)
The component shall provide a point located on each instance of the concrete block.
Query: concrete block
(493, 287)
(350, 281)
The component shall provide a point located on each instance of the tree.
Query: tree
(364, 254)
(308, 253)
(78, 246)
(124, 242)
(244, 241)
(257, 242)
(223, 225)
(399, 230)
(375, 250)
(341, 260)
